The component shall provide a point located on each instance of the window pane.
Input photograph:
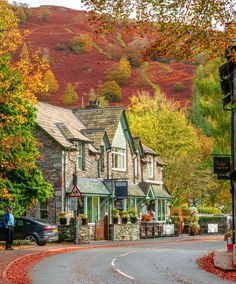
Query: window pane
(95, 208)
(90, 209)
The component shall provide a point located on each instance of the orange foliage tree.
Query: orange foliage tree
(180, 28)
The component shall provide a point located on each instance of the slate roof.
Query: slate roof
(160, 192)
(148, 150)
(107, 118)
(158, 189)
(89, 186)
(60, 123)
(95, 135)
(135, 190)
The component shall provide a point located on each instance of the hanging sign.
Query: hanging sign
(222, 165)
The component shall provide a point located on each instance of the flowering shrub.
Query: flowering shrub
(147, 218)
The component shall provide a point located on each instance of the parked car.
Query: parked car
(33, 230)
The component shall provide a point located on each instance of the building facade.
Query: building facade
(113, 168)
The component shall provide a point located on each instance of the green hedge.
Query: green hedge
(212, 219)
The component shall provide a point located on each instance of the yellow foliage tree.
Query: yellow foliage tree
(166, 129)
(50, 82)
(70, 95)
(120, 73)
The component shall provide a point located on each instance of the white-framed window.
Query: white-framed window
(151, 167)
(118, 159)
(136, 167)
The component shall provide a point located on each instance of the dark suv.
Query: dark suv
(34, 230)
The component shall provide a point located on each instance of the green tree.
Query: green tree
(111, 91)
(18, 147)
(44, 13)
(70, 95)
(207, 112)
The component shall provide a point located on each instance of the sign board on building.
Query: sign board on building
(213, 228)
(73, 203)
(75, 192)
(121, 189)
(222, 165)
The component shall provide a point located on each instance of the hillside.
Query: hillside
(88, 70)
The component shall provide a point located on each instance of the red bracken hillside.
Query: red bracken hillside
(88, 70)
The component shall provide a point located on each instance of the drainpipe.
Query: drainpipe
(108, 167)
(63, 193)
(135, 156)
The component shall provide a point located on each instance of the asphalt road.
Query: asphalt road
(165, 262)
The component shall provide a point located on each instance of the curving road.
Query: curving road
(165, 262)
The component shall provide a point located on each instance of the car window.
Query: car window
(19, 223)
(28, 223)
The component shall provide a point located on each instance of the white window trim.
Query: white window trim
(121, 154)
(151, 167)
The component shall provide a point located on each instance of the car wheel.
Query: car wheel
(31, 238)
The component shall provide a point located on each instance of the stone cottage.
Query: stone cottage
(113, 168)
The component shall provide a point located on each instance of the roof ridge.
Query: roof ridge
(97, 109)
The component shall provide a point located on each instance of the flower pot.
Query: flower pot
(133, 220)
(115, 220)
(124, 220)
(63, 221)
(84, 221)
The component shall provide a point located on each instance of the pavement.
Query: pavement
(222, 259)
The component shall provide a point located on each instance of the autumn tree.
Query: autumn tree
(20, 178)
(111, 91)
(24, 54)
(21, 10)
(50, 82)
(120, 72)
(166, 129)
(70, 95)
(179, 28)
(81, 43)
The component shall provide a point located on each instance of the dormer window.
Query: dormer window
(118, 159)
(151, 167)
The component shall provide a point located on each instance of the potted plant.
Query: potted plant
(84, 218)
(125, 217)
(115, 215)
(147, 218)
(133, 213)
(63, 218)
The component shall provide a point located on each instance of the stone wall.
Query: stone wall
(124, 232)
(66, 233)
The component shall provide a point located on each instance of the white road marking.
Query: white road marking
(118, 270)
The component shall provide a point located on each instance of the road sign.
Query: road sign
(75, 192)
(73, 203)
